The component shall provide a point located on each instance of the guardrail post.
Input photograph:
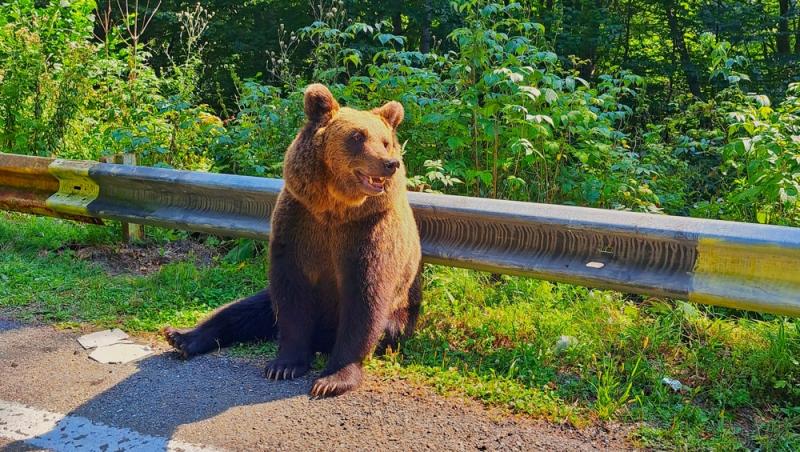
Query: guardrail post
(130, 231)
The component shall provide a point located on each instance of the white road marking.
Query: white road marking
(60, 432)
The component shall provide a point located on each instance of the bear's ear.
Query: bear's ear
(392, 112)
(319, 104)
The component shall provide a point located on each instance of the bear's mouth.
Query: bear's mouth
(373, 184)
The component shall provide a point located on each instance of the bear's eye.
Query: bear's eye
(358, 137)
(385, 143)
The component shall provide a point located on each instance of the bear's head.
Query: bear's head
(342, 155)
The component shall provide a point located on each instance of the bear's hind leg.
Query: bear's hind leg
(240, 321)
(402, 322)
(399, 327)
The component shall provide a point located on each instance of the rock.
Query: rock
(676, 385)
(565, 342)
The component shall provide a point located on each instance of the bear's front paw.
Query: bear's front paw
(344, 380)
(286, 369)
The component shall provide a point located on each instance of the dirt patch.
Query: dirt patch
(123, 258)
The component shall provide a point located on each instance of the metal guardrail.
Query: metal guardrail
(26, 184)
(739, 265)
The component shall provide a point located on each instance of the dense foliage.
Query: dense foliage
(493, 109)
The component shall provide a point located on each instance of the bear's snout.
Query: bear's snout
(390, 166)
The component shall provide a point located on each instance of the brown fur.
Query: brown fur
(345, 259)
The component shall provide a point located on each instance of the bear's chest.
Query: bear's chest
(316, 256)
(328, 254)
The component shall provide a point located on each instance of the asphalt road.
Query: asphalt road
(53, 396)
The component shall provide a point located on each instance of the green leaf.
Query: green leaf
(244, 250)
(540, 119)
(530, 92)
(455, 142)
(550, 96)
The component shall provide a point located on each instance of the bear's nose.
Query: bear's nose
(391, 166)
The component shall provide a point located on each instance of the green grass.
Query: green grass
(43, 280)
(494, 341)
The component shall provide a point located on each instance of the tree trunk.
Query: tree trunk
(628, 19)
(425, 38)
(679, 44)
(782, 38)
(397, 18)
(589, 40)
(797, 34)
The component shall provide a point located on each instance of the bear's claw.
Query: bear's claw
(336, 384)
(280, 369)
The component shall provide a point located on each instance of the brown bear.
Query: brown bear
(345, 252)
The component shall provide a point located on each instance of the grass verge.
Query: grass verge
(556, 351)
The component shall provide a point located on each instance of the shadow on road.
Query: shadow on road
(167, 392)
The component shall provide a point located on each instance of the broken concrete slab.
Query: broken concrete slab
(120, 353)
(102, 338)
